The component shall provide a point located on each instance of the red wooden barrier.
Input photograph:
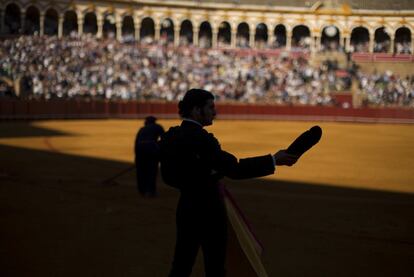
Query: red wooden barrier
(381, 57)
(13, 109)
(22, 108)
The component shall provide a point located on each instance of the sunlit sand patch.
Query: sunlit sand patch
(371, 156)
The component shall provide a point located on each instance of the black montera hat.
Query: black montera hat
(150, 119)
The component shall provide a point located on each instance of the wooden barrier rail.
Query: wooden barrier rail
(382, 57)
(17, 109)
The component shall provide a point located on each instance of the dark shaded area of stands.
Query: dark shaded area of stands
(57, 219)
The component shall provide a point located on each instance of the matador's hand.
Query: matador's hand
(283, 158)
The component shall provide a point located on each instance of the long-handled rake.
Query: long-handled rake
(111, 180)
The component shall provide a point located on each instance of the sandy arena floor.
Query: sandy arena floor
(346, 208)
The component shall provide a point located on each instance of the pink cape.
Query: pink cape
(243, 248)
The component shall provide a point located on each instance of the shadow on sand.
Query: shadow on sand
(20, 129)
(57, 219)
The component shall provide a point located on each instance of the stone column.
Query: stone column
(3, 14)
(412, 45)
(347, 43)
(214, 37)
(42, 23)
(288, 40)
(22, 22)
(196, 31)
(118, 26)
(251, 38)
(371, 42)
(80, 22)
(176, 35)
(137, 26)
(270, 36)
(319, 47)
(342, 41)
(99, 23)
(313, 44)
(60, 25)
(392, 44)
(233, 41)
(157, 29)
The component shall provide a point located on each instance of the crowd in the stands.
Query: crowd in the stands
(386, 89)
(87, 68)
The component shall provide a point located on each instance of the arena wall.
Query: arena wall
(31, 110)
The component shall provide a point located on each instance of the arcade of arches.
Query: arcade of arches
(183, 28)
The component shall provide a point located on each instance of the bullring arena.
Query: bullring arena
(77, 78)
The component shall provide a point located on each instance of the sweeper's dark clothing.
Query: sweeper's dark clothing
(147, 158)
(193, 162)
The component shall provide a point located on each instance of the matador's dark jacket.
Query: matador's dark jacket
(192, 160)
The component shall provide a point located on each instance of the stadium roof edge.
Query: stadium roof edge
(340, 10)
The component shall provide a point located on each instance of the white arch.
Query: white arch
(323, 26)
(20, 6)
(52, 8)
(34, 6)
(402, 26)
(162, 19)
(359, 26)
